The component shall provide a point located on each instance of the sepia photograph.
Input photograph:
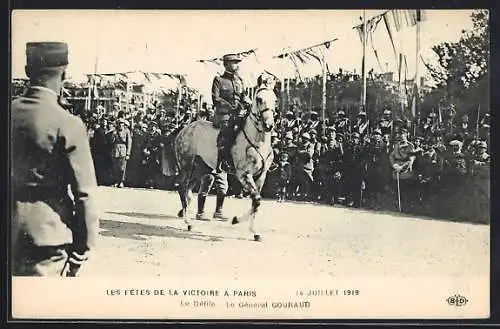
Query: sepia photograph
(250, 164)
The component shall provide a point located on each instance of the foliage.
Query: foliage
(462, 72)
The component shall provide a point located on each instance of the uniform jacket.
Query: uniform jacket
(121, 143)
(403, 154)
(386, 126)
(285, 172)
(50, 152)
(227, 92)
(305, 157)
(342, 126)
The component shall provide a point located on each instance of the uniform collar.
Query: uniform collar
(45, 90)
(228, 74)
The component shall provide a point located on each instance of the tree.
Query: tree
(462, 71)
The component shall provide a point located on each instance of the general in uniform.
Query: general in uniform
(230, 102)
(52, 232)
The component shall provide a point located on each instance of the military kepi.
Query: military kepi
(46, 54)
(231, 58)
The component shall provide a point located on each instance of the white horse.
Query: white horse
(196, 155)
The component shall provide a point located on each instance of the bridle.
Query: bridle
(256, 118)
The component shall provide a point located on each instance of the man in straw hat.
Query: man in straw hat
(52, 232)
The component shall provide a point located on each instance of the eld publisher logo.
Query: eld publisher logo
(457, 300)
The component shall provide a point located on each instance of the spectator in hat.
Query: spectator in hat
(354, 170)
(342, 123)
(304, 166)
(378, 172)
(402, 159)
(313, 121)
(480, 173)
(52, 232)
(386, 123)
(136, 171)
(285, 174)
(290, 121)
(329, 170)
(121, 146)
(361, 125)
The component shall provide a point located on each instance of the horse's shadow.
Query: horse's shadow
(142, 215)
(140, 231)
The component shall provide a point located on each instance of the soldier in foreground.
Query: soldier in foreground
(52, 232)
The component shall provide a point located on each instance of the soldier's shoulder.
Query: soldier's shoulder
(71, 123)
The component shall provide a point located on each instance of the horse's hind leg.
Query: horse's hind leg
(185, 185)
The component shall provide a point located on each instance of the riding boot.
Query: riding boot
(200, 215)
(218, 207)
(220, 159)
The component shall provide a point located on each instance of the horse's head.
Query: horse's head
(265, 104)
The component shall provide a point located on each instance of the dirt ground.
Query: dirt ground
(142, 236)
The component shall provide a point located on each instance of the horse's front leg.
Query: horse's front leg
(253, 188)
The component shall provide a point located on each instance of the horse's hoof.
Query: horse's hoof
(235, 220)
(180, 214)
(190, 227)
(257, 237)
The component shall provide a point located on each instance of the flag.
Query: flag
(404, 18)
(421, 15)
(389, 27)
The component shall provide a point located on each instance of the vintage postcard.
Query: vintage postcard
(250, 164)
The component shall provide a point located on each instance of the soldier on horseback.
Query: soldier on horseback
(230, 102)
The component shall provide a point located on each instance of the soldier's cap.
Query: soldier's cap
(482, 145)
(340, 112)
(46, 54)
(377, 132)
(362, 114)
(313, 113)
(403, 130)
(455, 142)
(387, 112)
(306, 136)
(231, 58)
(290, 113)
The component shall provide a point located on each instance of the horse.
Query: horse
(195, 149)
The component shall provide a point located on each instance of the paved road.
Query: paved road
(141, 236)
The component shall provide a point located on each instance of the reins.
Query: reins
(254, 118)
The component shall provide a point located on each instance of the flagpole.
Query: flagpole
(283, 86)
(323, 93)
(417, 62)
(363, 64)
(94, 85)
(288, 92)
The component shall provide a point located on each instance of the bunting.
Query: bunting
(219, 61)
(371, 26)
(306, 55)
